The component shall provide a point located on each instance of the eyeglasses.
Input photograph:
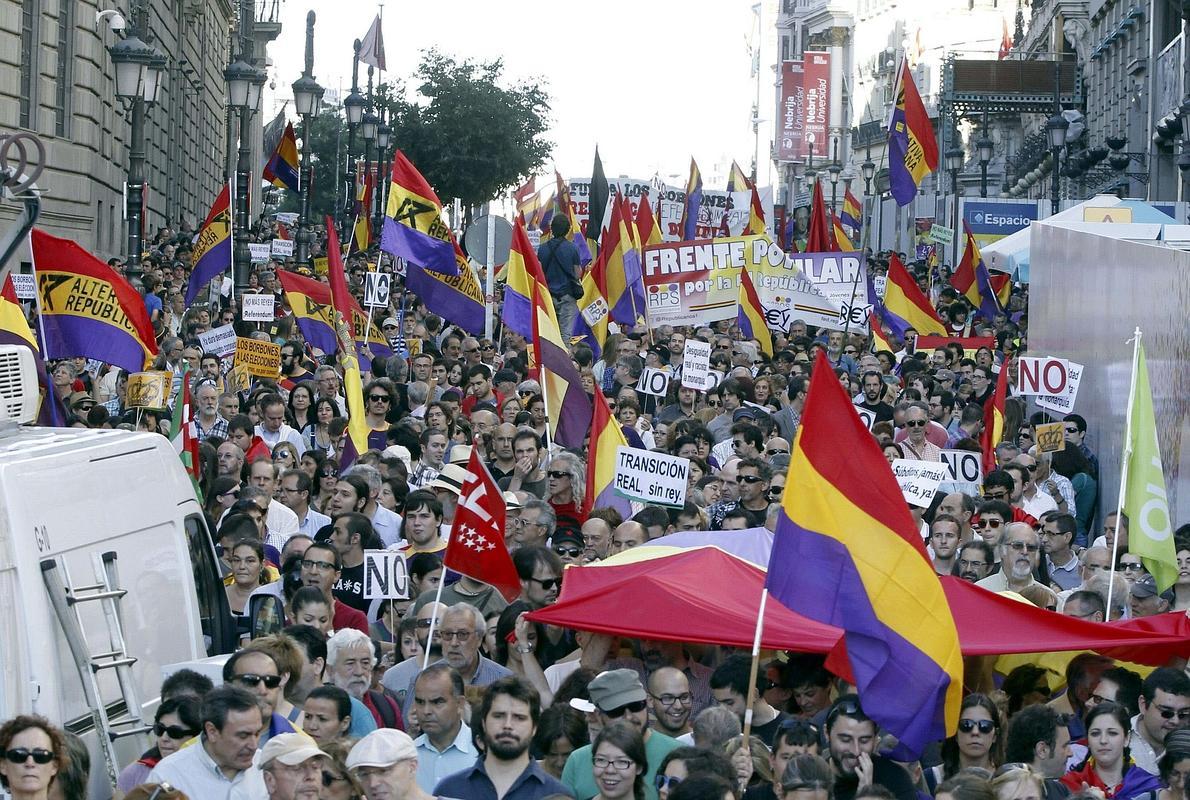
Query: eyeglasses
(669, 699)
(665, 782)
(985, 726)
(174, 731)
(797, 725)
(1130, 567)
(964, 564)
(19, 755)
(379, 398)
(329, 779)
(1022, 547)
(714, 402)
(487, 347)
(776, 452)
(455, 636)
(425, 623)
(850, 351)
(621, 764)
(915, 423)
(995, 495)
(635, 708)
(1170, 713)
(750, 479)
(1030, 467)
(547, 583)
(251, 680)
(568, 552)
(558, 474)
(987, 523)
(321, 566)
(472, 350)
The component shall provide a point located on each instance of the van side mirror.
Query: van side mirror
(267, 615)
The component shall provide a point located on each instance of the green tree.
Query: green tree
(328, 136)
(471, 137)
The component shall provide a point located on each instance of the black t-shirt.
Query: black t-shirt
(349, 589)
(883, 411)
(768, 731)
(886, 773)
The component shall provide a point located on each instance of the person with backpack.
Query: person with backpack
(350, 659)
(560, 261)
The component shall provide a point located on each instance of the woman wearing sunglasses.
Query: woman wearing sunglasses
(34, 753)
(177, 720)
(1109, 767)
(977, 743)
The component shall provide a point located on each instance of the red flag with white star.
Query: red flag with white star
(476, 548)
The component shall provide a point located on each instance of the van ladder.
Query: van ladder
(106, 590)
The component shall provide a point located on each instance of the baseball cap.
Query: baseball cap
(746, 412)
(944, 375)
(381, 748)
(1144, 587)
(616, 687)
(290, 749)
(390, 321)
(566, 536)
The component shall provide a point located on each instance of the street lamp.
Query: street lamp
(244, 83)
(307, 94)
(367, 129)
(139, 67)
(1055, 128)
(954, 162)
(834, 170)
(984, 148)
(353, 107)
(383, 137)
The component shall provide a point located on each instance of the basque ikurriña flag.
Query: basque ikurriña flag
(212, 250)
(87, 309)
(912, 148)
(413, 227)
(847, 553)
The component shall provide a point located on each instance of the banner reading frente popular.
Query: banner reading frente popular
(697, 282)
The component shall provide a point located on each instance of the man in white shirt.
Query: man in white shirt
(272, 428)
(1027, 497)
(280, 521)
(219, 766)
(295, 495)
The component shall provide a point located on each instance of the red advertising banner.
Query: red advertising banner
(817, 88)
(791, 114)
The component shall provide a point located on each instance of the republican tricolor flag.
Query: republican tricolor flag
(413, 228)
(750, 316)
(993, 419)
(912, 148)
(606, 439)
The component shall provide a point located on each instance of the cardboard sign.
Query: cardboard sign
(654, 478)
(964, 465)
(653, 381)
(1050, 437)
(696, 365)
(723, 451)
(283, 247)
(149, 389)
(258, 307)
(221, 341)
(1041, 375)
(25, 286)
(259, 358)
(322, 265)
(258, 252)
(386, 575)
(1064, 403)
(941, 234)
(919, 479)
(237, 379)
(377, 288)
(596, 312)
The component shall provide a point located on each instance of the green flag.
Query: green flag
(1150, 534)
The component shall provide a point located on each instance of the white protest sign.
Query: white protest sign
(385, 575)
(258, 307)
(282, 247)
(377, 287)
(596, 312)
(649, 477)
(919, 479)
(25, 286)
(258, 252)
(715, 377)
(221, 341)
(653, 381)
(879, 283)
(869, 417)
(696, 365)
(964, 465)
(1063, 403)
(1042, 375)
(941, 234)
(286, 217)
(723, 451)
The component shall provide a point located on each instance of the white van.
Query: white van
(69, 500)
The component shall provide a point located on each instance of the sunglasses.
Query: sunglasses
(985, 726)
(174, 731)
(750, 479)
(635, 708)
(558, 474)
(995, 496)
(1071, 430)
(1170, 713)
(379, 398)
(714, 403)
(1130, 567)
(776, 452)
(19, 755)
(776, 491)
(568, 552)
(252, 681)
(990, 523)
(665, 782)
(915, 423)
(547, 583)
(1030, 467)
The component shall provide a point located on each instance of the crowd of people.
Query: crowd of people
(454, 693)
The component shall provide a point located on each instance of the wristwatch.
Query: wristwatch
(524, 648)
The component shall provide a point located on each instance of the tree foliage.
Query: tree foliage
(471, 137)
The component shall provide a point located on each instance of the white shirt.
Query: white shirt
(193, 771)
(283, 434)
(1038, 504)
(280, 524)
(387, 525)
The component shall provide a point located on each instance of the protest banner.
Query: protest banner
(1063, 402)
(653, 381)
(1050, 437)
(919, 479)
(941, 234)
(258, 307)
(386, 576)
(221, 341)
(238, 379)
(697, 282)
(286, 217)
(377, 287)
(259, 358)
(259, 252)
(696, 365)
(965, 466)
(283, 248)
(24, 285)
(650, 477)
(969, 343)
(842, 278)
(149, 389)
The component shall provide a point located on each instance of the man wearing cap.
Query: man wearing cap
(385, 764)
(618, 695)
(1145, 600)
(508, 714)
(220, 764)
(291, 764)
(567, 545)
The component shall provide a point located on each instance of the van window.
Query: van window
(218, 627)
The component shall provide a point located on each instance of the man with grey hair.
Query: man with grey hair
(461, 629)
(714, 727)
(418, 394)
(387, 524)
(1020, 552)
(535, 525)
(1056, 486)
(329, 383)
(350, 659)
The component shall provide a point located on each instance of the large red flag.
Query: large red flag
(820, 238)
(476, 548)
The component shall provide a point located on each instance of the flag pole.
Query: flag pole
(1125, 457)
(425, 661)
(764, 598)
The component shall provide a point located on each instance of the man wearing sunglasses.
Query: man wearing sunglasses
(618, 695)
(1020, 552)
(1164, 705)
(257, 672)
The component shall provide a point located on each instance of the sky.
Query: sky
(652, 82)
